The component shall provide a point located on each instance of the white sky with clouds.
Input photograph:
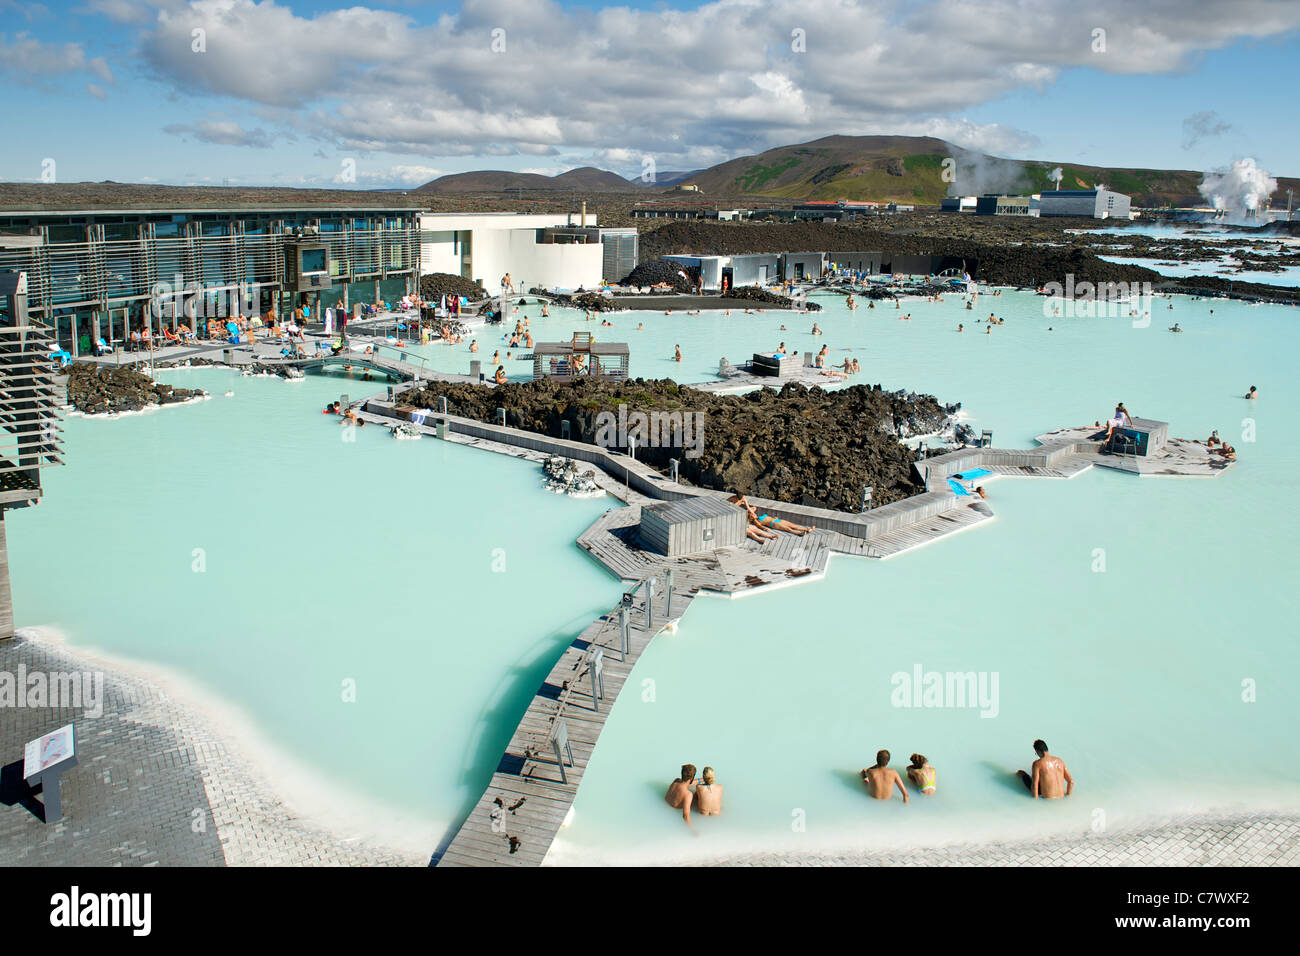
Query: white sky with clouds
(284, 92)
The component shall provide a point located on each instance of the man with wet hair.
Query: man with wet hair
(881, 780)
(679, 795)
(1048, 778)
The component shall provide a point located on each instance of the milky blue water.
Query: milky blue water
(1126, 618)
(328, 561)
(244, 544)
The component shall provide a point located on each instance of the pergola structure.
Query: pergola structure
(581, 357)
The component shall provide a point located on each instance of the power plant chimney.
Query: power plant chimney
(584, 214)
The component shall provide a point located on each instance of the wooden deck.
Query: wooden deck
(528, 777)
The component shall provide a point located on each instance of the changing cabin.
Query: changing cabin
(692, 525)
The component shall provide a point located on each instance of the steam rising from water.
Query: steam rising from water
(1242, 190)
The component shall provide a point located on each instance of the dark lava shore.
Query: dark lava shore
(97, 390)
(801, 445)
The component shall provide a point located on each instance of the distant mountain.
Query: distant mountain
(587, 178)
(671, 178)
(912, 169)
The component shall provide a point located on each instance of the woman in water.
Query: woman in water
(500, 376)
(677, 353)
(922, 775)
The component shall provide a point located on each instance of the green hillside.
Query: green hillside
(911, 169)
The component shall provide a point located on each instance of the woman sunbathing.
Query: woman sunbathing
(767, 521)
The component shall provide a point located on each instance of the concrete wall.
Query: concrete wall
(501, 243)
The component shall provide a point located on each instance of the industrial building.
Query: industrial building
(695, 211)
(995, 205)
(97, 273)
(1088, 203)
(538, 250)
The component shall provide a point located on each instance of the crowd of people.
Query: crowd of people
(1047, 778)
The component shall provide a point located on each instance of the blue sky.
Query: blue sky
(393, 94)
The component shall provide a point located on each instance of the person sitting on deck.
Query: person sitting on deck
(1214, 439)
(708, 795)
(1120, 419)
(881, 780)
(679, 795)
(922, 775)
(500, 376)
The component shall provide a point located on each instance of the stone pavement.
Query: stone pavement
(1256, 839)
(154, 785)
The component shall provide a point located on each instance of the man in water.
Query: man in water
(881, 780)
(708, 795)
(1048, 777)
(679, 794)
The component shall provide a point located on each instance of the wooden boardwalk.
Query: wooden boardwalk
(518, 816)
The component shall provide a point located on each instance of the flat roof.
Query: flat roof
(567, 348)
(692, 509)
(203, 210)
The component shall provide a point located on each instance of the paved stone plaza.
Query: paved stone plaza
(154, 785)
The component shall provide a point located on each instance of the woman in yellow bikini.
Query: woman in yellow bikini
(922, 775)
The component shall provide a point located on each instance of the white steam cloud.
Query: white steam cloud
(978, 174)
(1241, 191)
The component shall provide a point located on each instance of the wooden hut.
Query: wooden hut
(692, 525)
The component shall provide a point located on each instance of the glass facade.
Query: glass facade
(93, 275)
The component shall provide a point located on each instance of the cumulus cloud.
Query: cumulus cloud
(509, 77)
(387, 176)
(97, 91)
(221, 133)
(1202, 125)
(27, 58)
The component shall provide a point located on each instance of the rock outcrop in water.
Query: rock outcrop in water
(802, 445)
(565, 477)
(97, 390)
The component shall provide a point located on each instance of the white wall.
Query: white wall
(507, 242)
(530, 264)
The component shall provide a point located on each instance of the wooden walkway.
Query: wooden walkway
(530, 794)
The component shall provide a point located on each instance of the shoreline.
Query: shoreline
(282, 799)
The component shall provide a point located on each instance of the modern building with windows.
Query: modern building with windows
(99, 273)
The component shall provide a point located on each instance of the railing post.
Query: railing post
(649, 602)
(668, 593)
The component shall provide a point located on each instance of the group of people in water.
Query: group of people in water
(1047, 778)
